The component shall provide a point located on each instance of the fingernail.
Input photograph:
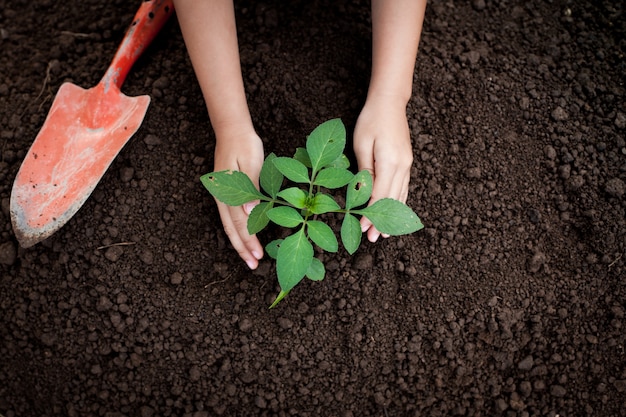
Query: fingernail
(364, 228)
(257, 254)
(248, 207)
(251, 264)
(385, 235)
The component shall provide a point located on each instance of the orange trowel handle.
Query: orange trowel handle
(150, 18)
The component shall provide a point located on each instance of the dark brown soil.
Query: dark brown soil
(511, 301)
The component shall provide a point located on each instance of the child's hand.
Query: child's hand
(240, 153)
(382, 145)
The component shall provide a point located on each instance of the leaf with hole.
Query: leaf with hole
(359, 190)
(272, 248)
(233, 188)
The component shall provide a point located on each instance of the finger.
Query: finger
(248, 247)
(390, 183)
(373, 234)
(252, 244)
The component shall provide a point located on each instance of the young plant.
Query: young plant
(319, 167)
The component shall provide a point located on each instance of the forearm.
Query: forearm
(209, 30)
(396, 30)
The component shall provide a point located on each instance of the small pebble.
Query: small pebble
(493, 301)
(473, 173)
(620, 385)
(260, 402)
(161, 83)
(176, 278)
(147, 257)
(525, 388)
(126, 174)
(363, 261)
(576, 182)
(516, 403)
(501, 405)
(285, 323)
(565, 171)
(152, 140)
(479, 4)
(245, 325)
(104, 303)
(535, 263)
(558, 391)
(526, 364)
(113, 253)
(194, 373)
(620, 120)
(8, 253)
(550, 152)
(559, 114)
(615, 187)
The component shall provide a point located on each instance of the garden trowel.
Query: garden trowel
(82, 134)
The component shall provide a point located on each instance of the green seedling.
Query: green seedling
(302, 204)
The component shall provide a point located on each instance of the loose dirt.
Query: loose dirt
(510, 302)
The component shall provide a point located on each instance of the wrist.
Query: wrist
(387, 99)
(234, 130)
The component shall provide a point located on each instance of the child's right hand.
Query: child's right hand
(242, 152)
(382, 145)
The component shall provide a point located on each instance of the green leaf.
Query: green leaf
(271, 179)
(293, 260)
(294, 196)
(392, 217)
(333, 177)
(359, 189)
(322, 235)
(272, 248)
(316, 270)
(278, 298)
(292, 169)
(341, 162)
(351, 233)
(323, 203)
(326, 143)
(258, 217)
(233, 188)
(303, 156)
(285, 216)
